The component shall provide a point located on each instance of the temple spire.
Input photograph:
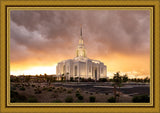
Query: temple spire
(81, 52)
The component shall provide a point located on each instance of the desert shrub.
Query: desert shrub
(117, 95)
(77, 91)
(33, 85)
(91, 93)
(22, 88)
(72, 89)
(53, 87)
(58, 88)
(86, 92)
(13, 88)
(37, 91)
(106, 93)
(44, 88)
(13, 100)
(92, 98)
(69, 99)
(15, 97)
(69, 91)
(77, 94)
(112, 100)
(80, 97)
(55, 95)
(57, 101)
(49, 89)
(32, 99)
(64, 89)
(55, 91)
(141, 98)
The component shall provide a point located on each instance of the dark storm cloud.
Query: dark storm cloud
(57, 32)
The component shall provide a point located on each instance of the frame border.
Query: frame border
(4, 66)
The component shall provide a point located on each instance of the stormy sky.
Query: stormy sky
(119, 38)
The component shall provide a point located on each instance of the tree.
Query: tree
(67, 76)
(125, 78)
(117, 79)
(71, 79)
(146, 79)
(62, 77)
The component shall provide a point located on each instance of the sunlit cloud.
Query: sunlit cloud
(120, 39)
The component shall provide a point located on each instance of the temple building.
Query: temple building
(81, 66)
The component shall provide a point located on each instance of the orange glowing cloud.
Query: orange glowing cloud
(40, 39)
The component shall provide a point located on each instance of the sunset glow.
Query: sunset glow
(120, 39)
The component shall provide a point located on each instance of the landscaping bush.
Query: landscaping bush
(92, 98)
(37, 91)
(80, 97)
(55, 95)
(32, 99)
(33, 85)
(44, 88)
(22, 88)
(15, 97)
(112, 100)
(77, 91)
(69, 99)
(13, 88)
(141, 98)
(102, 80)
(50, 89)
(69, 91)
(106, 93)
(77, 94)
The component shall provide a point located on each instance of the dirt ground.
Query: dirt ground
(59, 93)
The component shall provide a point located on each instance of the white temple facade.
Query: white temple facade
(81, 66)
